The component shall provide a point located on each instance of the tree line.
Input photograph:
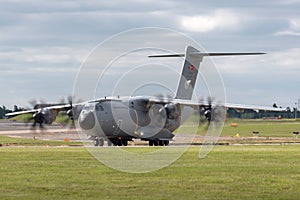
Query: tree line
(251, 114)
(4, 110)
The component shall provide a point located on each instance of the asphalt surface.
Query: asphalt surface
(60, 133)
(48, 132)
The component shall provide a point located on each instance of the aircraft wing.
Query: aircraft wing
(253, 107)
(21, 112)
(56, 108)
(226, 105)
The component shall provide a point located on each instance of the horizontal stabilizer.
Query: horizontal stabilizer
(205, 54)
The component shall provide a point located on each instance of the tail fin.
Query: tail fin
(193, 58)
(189, 74)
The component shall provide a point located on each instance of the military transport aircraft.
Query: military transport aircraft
(118, 120)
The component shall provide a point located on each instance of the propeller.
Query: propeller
(74, 111)
(157, 113)
(38, 119)
(213, 113)
(158, 116)
(45, 116)
(70, 112)
(207, 110)
(166, 113)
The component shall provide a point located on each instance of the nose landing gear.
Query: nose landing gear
(98, 141)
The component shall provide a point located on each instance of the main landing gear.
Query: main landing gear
(98, 141)
(159, 142)
(119, 142)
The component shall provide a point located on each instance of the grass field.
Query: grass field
(9, 141)
(266, 128)
(228, 172)
(245, 127)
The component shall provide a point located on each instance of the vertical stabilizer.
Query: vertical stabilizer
(189, 73)
(190, 68)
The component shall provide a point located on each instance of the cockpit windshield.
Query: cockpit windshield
(88, 107)
(99, 107)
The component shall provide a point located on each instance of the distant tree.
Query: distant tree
(16, 108)
(3, 111)
(288, 112)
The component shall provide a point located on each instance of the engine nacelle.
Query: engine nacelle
(207, 114)
(173, 116)
(44, 116)
(173, 110)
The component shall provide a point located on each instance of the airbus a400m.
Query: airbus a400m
(118, 120)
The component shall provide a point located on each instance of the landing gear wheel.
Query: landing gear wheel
(166, 142)
(96, 142)
(101, 142)
(161, 143)
(119, 143)
(124, 142)
(115, 142)
(151, 142)
(155, 142)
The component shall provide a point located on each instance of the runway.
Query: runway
(60, 133)
(48, 132)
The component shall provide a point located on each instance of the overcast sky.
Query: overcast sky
(43, 43)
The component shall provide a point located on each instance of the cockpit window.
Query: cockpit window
(99, 107)
(88, 107)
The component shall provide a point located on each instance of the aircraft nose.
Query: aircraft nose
(87, 121)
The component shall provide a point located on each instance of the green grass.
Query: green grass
(244, 172)
(26, 118)
(62, 118)
(9, 141)
(245, 128)
(265, 128)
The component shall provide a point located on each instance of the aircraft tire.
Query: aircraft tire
(96, 142)
(166, 142)
(151, 142)
(155, 142)
(101, 142)
(160, 143)
(115, 142)
(124, 142)
(119, 142)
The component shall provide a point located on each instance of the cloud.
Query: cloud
(278, 63)
(40, 59)
(218, 20)
(288, 2)
(261, 79)
(293, 30)
(41, 41)
(287, 60)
